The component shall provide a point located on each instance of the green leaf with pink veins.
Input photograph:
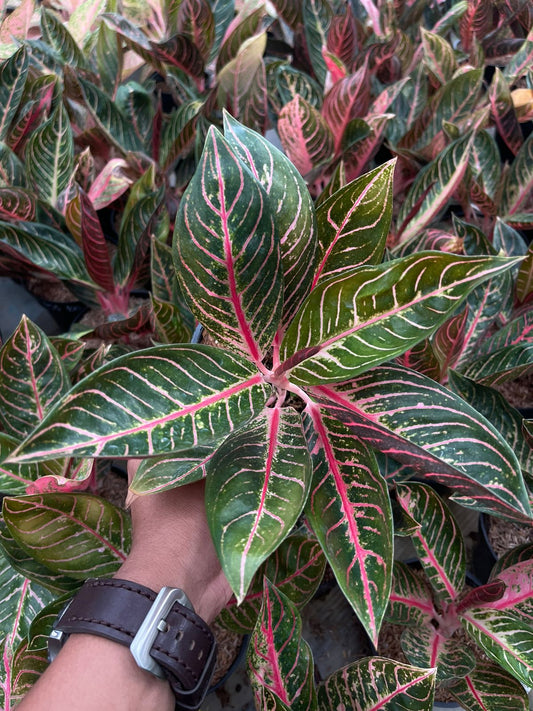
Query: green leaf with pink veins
(162, 399)
(354, 222)
(21, 600)
(291, 205)
(371, 314)
(350, 512)
(278, 658)
(77, 535)
(438, 542)
(256, 487)
(296, 568)
(376, 683)
(488, 686)
(450, 442)
(227, 253)
(411, 598)
(32, 379)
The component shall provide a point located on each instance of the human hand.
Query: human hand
(172, 546)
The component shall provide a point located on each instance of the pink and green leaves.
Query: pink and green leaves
(77, 535)
(257, 484)
(438, 542)
(376, 683)
(32, 379)
(372, 314)
(291, 205)
(280, 661)
(164, 399)
(353, 224)
(350, 513)
(379, 407)
(227, 252)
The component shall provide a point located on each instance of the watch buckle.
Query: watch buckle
(153, 623)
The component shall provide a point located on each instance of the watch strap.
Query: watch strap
(184, 646)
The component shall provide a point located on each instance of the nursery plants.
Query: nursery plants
(284, 413)
(361, 300)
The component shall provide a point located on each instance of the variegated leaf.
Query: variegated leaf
(455, 103)
(504, 638)
(354, 222)
(179, 133)
(518, 593)
(504, 112)
(379, 407)
(26, 565)
(14, 478)
(108, 117)
(196, 21)
(12, 171)
(359, 155)
(518, 330)
(435, 184)
(425, 647)
(136, 230)
(524, 279)
(50, 156)
(227, 253)
(517, 186)
(489, 688)
(82, 20)
(374, 313)
(376, 683)
(162, 399)
(94, 539)
(292, 82)
(84, 224)
(13, 74)
(438, 541)
(291, 205)
(26, 667)
(278, 658)
(296, 568)
(179, 51)
(242, 84)
(350, 513)
(32, 379)
(484, 161)
(110, 183)
(411, 599)
(520, 63)
(347, 99)
(223, 13)
(21, 601)
(244, 25)
(17, 204)
(57, 36)
(316, 18)
(161, 473)
(256, 487)
(496, 408)
(439, 56)
(519, 554)
(305, 136)
(448, 341)
(504, 364)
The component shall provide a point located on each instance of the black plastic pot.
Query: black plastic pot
(64, 313)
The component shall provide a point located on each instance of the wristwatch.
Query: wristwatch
(166, 637)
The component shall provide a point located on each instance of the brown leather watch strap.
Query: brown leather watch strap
(184, 647)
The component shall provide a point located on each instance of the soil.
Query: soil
(504, 535)
(228, 647)
(519, 392)
(50, 289)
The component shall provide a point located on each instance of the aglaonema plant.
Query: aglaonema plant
(438, 610)
(284, 415)
(38, 569)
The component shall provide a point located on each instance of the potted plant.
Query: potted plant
(326, 378)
